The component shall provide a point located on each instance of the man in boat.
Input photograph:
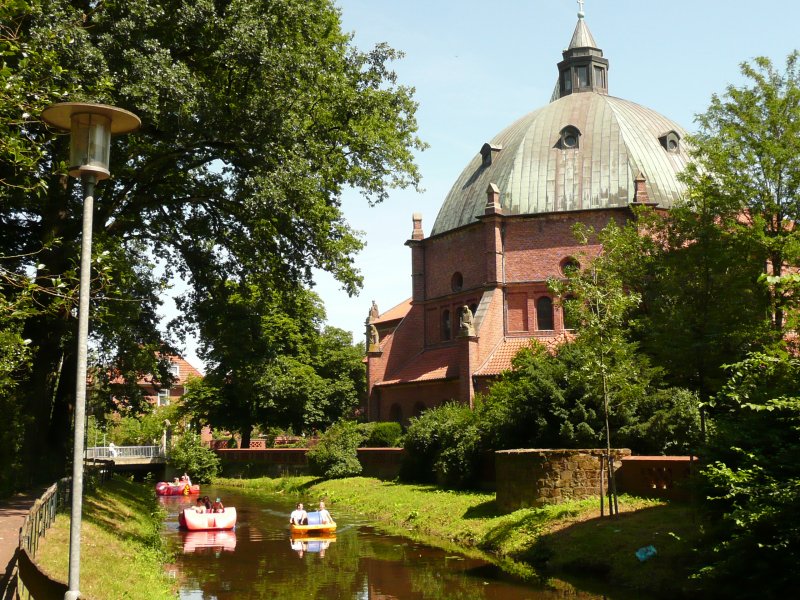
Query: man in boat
(199, 506)
(217, 507)
(324, 515)
(299, 516)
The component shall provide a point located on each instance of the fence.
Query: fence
(112, 452)
(30, 581)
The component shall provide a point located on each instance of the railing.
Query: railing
(112, 452)
(30, 581)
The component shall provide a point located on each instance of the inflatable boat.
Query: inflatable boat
(164, 488)
(314, 525)
(194, 521)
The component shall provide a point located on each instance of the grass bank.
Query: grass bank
(567, 539)
(121, 550)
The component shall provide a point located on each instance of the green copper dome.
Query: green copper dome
(582, 151)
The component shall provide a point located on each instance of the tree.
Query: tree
(600, 304)
(256, 115)
(269, 363)
(748, 158)
(752, 481)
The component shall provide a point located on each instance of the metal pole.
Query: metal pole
(73, 592)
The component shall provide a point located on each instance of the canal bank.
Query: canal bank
(569, 540)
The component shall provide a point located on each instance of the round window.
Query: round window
(570, 140)
(673, 145)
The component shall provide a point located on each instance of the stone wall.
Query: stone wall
(537, 477)
(665, 477)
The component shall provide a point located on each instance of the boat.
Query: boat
(164, 488)
(194, 521)
(314, 527)
(317, 544)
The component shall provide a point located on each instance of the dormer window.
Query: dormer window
(570, 138)
(487, 153)
(671, 142)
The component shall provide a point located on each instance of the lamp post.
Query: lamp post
(90, 127)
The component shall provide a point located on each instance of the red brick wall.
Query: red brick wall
(664, 477)
(462, 251)
(431, 393)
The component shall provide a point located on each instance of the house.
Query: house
(479, 288)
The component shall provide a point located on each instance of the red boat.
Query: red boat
(164, 488)
(194, 521)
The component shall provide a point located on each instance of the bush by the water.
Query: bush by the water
(188, 455)
(336, 453)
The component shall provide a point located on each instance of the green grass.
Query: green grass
(568, 539)
(121, 550)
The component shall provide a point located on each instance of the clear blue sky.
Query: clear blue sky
(479, 65)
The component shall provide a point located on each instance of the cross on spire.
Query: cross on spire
(581, 14)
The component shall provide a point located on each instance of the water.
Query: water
(260, 560)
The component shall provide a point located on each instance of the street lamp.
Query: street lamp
(90, 127)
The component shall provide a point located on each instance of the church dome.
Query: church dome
(582, 151)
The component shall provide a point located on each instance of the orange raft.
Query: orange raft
(194, 521)
(164, 488)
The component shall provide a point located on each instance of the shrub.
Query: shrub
(336, 453)
(385, 434)
(442, 446)
(188, 455)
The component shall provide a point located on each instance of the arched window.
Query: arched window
(570, 265)
(446, 328)
(544, 313)
(419, 408)
(456, 282)
(396, 413)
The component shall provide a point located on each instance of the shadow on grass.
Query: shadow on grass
(484, 510)
(604, 549)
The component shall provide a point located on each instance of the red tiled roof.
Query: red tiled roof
(429, 365)
(500, 358)
(395, 313)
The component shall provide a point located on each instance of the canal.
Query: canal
(260, 560)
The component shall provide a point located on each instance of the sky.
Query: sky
(478, 65)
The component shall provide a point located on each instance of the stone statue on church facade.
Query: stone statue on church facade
(467, 328)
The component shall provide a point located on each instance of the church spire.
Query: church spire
(583, 69)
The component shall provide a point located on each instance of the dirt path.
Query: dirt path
(12, 514)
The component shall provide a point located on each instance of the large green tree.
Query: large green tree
(747, 155)
(256, 115)
(270, 361)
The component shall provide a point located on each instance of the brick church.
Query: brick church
(479, 281)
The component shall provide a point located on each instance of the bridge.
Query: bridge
(129, 458)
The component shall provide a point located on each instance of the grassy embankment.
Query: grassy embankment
(566, 539)
(121, 549)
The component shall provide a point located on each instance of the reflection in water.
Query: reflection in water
(261, 560)
(197, 541)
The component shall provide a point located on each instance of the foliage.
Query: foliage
(270, 362)
(443, 445)
(383, 434)
(256, 115)
(335, 455)
(143, 430)
(753, 481)
(188, 455)
(748, 159)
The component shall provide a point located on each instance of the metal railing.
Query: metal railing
(112, 452)
(43, 513)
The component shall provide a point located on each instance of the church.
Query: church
(479, 288)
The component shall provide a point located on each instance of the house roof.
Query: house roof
(395, 313)
(429, 365)
(501, 357)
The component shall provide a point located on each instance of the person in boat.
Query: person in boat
(299, 516)
(200, 506)
(207, 502)
(324, 515)
(175, 481)
(185, 479)
(217, 507)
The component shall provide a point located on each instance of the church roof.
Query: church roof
(428, 365)
(582, 151)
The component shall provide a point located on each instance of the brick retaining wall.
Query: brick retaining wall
(540, 476)
(665, 477)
